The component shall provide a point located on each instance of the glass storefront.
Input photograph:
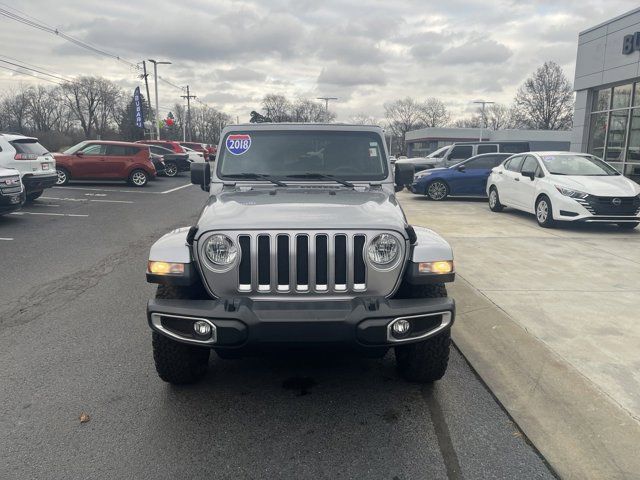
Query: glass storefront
(614, 127)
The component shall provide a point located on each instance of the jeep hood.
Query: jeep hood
(302, 209)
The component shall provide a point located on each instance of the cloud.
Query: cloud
(347, 76)
(240, 74)
(485, 51)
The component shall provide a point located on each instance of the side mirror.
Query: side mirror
(461, 168)
(530, 175)
(201, 175)
(403, 175)
(79, 154)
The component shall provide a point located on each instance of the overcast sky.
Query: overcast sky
(365, 52)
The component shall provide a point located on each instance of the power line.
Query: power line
(35, 70)
(29, 74)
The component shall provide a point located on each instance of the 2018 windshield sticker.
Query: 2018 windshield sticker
(238, 144)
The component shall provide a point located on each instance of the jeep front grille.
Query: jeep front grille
(297, 263)
(302, 262)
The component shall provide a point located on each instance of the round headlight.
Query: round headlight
(384, 249)
(220, 250)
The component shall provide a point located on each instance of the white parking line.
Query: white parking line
(7, 239)
(103, 190)
(87, 200)
(177, 188)
(50, 214)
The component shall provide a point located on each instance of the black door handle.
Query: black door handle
(517, 179)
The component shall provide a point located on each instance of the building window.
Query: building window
(614, 127)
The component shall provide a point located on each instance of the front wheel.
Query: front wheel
(628, 225)
(138, 178)
(171, 169)
(437, 190)
(63, 176)
(424, 361)
(544, 212)
(33, 196)
(494, 200)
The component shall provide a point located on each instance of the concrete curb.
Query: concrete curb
(581, 432)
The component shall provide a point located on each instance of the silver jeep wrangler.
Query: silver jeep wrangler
(301, 244)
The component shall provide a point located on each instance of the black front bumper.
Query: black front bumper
(246, 323)
(36, 183)
(10, 202)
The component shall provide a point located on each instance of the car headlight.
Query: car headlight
(220, 250)
(568, 192)
(420, 175)
(384, 249)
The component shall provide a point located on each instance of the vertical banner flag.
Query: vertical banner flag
(138, 104)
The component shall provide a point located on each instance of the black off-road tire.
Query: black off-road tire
(178, 363)
(425, 361)
(33, 196)
(494, 202)
(628, 225)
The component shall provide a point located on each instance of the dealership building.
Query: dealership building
(607, 84)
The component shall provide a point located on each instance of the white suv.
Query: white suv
(36, 165)
(564, 186)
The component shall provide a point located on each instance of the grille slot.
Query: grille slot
(244, 270)
(264, 263)
(283, 262)
(322, 264)
(340, 262)
(359, 268)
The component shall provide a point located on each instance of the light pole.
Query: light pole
(326, 106)
(483, 103)
(155, 81)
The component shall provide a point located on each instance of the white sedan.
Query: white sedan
(194, 156)
(564, 186)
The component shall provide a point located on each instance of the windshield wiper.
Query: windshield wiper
(321, 176)
(258, 176)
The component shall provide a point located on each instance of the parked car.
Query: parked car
(197, 147)
(467, 178)
(35, 164)
(297, 248)
(105, 160)
(456, 153)
(12, 192)
(565, 187)
(194, 156)
(174, 162)
(213, 152)
(423, 163)
(168, 144)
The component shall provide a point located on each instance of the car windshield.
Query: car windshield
(438, 153)
(580, 165)
(75, 148)
(308, 154)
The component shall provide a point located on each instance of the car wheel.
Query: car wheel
(178, 363)
(425, 361)
(544, 212)
(437, 190)
(494, 200)
(63, 176)
(138, 178)
(171, 169)
(628, 226)
(33, 196)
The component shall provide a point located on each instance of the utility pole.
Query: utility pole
(326, 106)
(145, 75)
(188, 97)
(482, 120)
(155, 81)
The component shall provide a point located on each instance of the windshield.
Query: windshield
(308, 154)
(28, 146)
(438, 153)
(75, 148)
(581, 165)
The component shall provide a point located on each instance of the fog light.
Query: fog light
(400, 327)
(202, 328)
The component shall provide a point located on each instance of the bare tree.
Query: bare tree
(474, 121)
(498, 117)
(363, 119)
(403, 116)
(308, 111)
(93, 102)
(15, 108)
(277, 107)
(545, 100)
(434, 113)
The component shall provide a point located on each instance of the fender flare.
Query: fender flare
(430, 247)
(172, 247)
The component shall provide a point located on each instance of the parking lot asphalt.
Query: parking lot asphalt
(74, 340)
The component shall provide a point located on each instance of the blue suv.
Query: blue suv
(466, 179)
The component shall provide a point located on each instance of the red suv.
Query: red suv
(102, 160)
(169, 144)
